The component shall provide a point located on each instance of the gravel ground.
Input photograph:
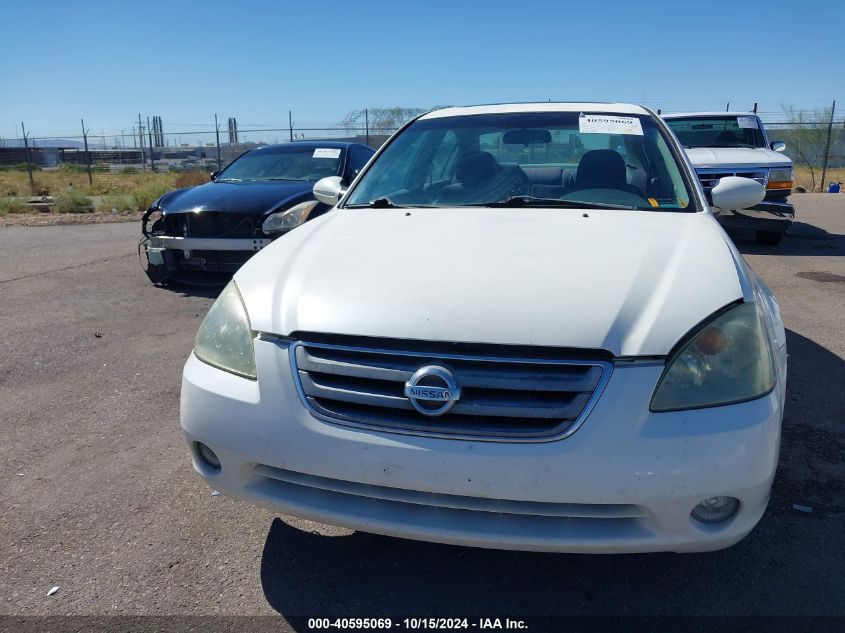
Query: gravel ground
(99, 497)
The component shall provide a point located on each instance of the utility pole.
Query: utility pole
(827, 143)
(290, 124)
(141, 139)
(217, 131)
(87, 153)
(728, 106)
(152, 157)
(367, 123)
(28, 161)
(755, 108)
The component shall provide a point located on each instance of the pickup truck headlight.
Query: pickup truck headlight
(224, 339)
(290, 219)
(725, 361)
(780, 179)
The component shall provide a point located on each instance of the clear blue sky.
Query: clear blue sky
(253, 59)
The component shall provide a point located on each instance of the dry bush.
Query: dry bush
(191, 178)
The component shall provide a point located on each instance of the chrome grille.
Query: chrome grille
(502, 398)
(710, 179)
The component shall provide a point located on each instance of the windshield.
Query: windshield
(549, 159)
(284, 163)
(718, 131)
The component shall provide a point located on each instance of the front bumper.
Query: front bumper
(770, 216)
(171, 256)
(624, 482)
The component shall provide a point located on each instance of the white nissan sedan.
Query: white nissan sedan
(521, 327)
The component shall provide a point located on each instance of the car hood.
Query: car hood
(248, 198)
(629, 282)
(723, 157)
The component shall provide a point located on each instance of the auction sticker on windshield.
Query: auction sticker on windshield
(609, 124)
(326, 152)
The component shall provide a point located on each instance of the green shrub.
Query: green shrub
(22, 167)
(127, 170)
(12, 205)
(74, 202)
(72, 168)
(146, 194)
(116, 202)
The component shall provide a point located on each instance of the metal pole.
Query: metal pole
(87, 153)
(28, 161)
(827, 144)
(755, 108)
(217, 131)
(727, 106)
(141, 140)
(290, 124)
(152, 158)
(367, 123)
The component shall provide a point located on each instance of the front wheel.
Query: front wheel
(768, 238)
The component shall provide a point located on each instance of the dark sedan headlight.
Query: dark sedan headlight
(727, 360)
(284, 221)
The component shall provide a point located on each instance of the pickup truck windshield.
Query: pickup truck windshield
(718, 131)
(545, 159)
(284, 163)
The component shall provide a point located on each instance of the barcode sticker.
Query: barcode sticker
(609, 124)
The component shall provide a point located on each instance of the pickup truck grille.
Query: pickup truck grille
(710, 178)
(501, 398)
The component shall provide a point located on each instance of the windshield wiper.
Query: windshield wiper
(378, 203)
(280, 178)
(532, 201)
(228, 180)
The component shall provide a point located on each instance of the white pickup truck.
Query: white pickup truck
(721, 144)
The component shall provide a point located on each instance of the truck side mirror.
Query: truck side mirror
(778, 146)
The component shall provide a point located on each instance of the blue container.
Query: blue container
(833, 187)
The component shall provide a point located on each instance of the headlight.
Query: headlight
(780, 179)
(224, 339)
(728, 360)
(290, 219)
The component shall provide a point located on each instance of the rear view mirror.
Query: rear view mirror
(527, 137)
(213, 175)
(778, 146)
(329, 190)
(732, 193)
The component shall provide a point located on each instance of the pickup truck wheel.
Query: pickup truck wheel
(768, 238)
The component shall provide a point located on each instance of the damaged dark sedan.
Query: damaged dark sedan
(204, 234)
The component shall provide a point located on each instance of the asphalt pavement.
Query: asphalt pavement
(99, 497)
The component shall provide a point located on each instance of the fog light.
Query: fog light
(715, 509)
(207, 455)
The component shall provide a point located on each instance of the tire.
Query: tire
(768, 238)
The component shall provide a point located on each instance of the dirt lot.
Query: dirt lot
(99, 497)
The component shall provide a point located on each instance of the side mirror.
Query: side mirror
(213, 175)
(732, 193)
(778, 146)
(329, 190)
